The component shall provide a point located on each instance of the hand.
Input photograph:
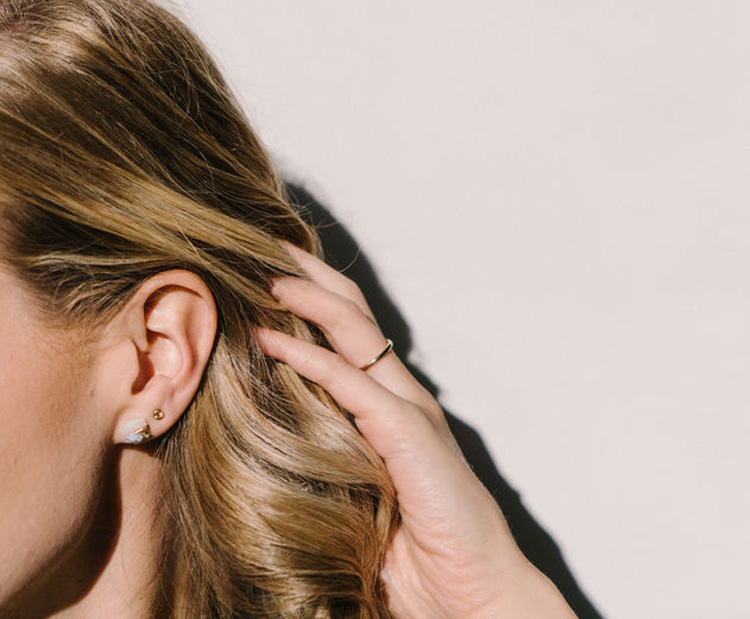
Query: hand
(453, 554)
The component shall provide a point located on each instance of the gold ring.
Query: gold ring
(388, 348)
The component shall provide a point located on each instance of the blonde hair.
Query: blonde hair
(123, 153)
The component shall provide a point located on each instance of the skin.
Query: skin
(50, 435)
(81, 536)
(80, 532)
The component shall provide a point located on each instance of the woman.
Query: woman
(200, 417)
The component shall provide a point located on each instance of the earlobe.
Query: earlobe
(171, 324)
(136, 431)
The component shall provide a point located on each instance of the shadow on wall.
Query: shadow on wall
(343, 252)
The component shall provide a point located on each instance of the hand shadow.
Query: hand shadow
(343, 252)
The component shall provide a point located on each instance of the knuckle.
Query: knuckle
(308, 363)
(322, 366)
(333, 367)
(352, 290)
(337, 364)
(345, 313)
(434, 411)
(413, 420)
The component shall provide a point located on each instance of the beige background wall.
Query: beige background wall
(556, 196)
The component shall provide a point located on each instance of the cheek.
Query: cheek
(48, 456)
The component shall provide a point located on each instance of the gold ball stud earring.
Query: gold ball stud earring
(158, 414)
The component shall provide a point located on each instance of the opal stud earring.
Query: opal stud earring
(136, 431)
(158, 414)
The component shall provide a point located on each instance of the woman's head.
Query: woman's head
(140, 222)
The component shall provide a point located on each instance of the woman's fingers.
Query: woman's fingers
(348, 329)
(353, 335)
(336, 304)
(380, 415)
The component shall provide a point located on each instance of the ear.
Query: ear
(168, 327)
